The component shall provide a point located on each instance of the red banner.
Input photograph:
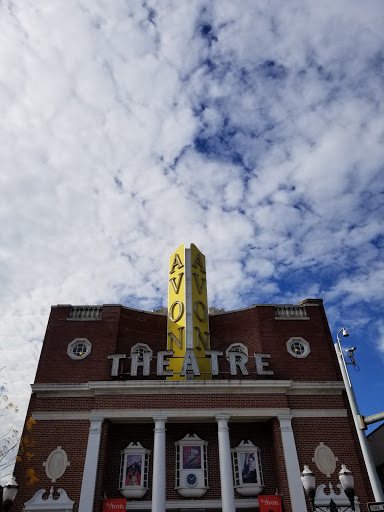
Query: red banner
(114, 505)
(270, 503)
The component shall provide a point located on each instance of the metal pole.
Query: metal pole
(371, 469)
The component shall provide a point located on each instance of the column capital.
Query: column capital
(160, 417)
(285, 423)
(96, 424)
(222, 423)
(159, 423)
(224, 417)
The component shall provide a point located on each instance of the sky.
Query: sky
(254, 130)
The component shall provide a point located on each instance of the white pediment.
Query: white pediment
(37, 503)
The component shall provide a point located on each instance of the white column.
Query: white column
(226, 474)
(292, 467)
(158, 476)
(90, 466)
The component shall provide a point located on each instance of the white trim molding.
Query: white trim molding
(250, 503)
(262, 386)
(179, 415)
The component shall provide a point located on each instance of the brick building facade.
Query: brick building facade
(287, 414)
(251, 398)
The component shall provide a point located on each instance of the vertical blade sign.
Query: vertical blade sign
(188, 327)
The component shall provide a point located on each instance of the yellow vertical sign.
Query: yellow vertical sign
(176, 312)
(188, 326)
(201, 341)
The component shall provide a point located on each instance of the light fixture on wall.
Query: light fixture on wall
(9, 494)
(347, 483)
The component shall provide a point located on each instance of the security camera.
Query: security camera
(351, 350)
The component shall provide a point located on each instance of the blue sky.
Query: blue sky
(256, 133)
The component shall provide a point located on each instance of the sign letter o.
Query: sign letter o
(181, 311)
(205, 311)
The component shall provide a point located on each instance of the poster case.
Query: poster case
(134, 471)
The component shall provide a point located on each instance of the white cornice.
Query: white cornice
(188, 415)
(193, 504)
(159, 387)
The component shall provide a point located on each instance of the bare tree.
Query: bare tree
(13, 446)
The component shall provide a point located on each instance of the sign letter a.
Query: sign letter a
(198, 262)
(176, 263)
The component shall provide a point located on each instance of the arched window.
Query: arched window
(141, 355)
(237, 355)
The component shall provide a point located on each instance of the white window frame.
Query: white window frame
(201, 486)
(302, 341)
(75, 342)
(134, 491)
(234, 346)
(245, 488)
(141, 360)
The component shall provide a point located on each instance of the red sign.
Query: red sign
(270, 503)
(115, 505)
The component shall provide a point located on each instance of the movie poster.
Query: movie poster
(191, 457)
(133, 469)
(248, 468)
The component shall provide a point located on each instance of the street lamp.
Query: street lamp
(347, 482)
(359, 424)
(308, 481)
(9, 494)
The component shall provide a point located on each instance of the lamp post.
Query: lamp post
(346, 480)
(372, 474)
(9, 494)
(308, 481)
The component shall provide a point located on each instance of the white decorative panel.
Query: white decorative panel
(56, 464)
(325, 459)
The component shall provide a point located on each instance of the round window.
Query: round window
(298, 347)
(79, 348)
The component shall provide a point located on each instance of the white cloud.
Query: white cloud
(129, 128)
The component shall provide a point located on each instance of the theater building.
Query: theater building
(188, 408)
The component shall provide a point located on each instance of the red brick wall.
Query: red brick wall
(340, 435)
(163, 402)
(72, 436)
(56, 366)
(260, 332)
(121, 328)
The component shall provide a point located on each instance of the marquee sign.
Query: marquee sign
(188, 354)
(188, 328)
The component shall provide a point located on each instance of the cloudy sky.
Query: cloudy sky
(254, 130)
